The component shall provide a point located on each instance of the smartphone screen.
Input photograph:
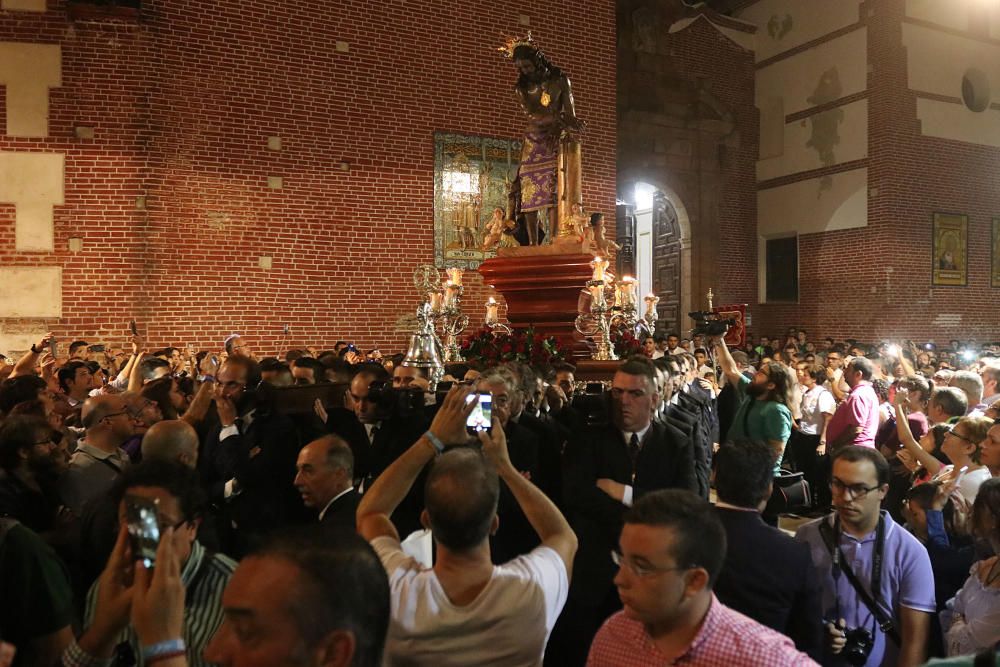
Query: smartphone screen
(142, 515)
(132, 328)
(481, 417)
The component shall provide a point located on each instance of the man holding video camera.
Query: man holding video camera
(878, 586)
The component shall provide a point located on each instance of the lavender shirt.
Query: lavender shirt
(907, 581)
(860, 409)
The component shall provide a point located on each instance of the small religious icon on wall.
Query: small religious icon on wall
(950, 251)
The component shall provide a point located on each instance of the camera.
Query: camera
(707, 323)
(393, 402)
(858, 647)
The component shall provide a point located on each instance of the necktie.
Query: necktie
(633, 453)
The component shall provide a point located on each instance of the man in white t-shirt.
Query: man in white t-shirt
(466, 610)
(808, 440)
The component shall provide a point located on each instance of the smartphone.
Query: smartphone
(53, 349)
(132, 328)
(96, 348)
(142, 515)
(481, 417)
(961, 474)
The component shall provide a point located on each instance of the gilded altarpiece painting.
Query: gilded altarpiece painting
(950, 254)
(472, 176)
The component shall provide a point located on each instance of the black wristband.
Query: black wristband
(35, 349)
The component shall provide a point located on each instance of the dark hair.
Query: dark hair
(864, 366)
(19, 389)
(268, 364)
(76, 345)
(856, 453)
(923, 496)
(455, 370)
(563, 367)
(881, 387)
(988, 500)
(639, 365)
(68, 372)
(744, 471)
(342, 586)
(148, 366)
(17, 433)
(317, 368)
(461, 496)
(917, 383)
(951, 400)
(595, 218)
(159, 391)
(816, 371)
(292, 355)
(173, 477)
(247, 364)
(375, 371)
(540, 61)
(699, 538)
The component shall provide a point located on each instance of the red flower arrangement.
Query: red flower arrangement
(486, 348)
(624, 341)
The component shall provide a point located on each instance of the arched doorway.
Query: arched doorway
(662, 252)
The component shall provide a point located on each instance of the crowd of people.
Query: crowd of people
(334, 507)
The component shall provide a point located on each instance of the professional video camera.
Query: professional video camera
(708, 323)
(393, 402)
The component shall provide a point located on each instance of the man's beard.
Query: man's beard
(756, 390)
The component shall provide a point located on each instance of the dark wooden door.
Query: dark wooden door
(667, 265)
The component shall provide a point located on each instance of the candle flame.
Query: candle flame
(491, 301)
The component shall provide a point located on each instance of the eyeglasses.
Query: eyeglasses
(51, 440)
(951, 431)
(857, 491)
(641, 571)
(236, 385)
(114, 414)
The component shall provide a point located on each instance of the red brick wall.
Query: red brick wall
(876, 282)
(183, 103)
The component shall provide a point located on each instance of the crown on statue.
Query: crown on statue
(511, 43)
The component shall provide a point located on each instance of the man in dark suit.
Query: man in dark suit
(671, 412)
(324, 479)
(605, 472)
(248, 460)
(377, 435)
(767, 575)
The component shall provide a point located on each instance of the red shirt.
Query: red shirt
(726, 638)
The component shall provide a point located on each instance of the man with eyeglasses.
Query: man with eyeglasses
(248, 461)
(835, 373)
(878, 586)
(99, 458)
(176, 490)
(672, 548)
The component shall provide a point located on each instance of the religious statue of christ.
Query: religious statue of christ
(548, 176)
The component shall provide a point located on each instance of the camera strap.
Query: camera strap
(831, 538)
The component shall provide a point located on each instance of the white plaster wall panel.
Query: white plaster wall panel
(936, 61)
(31, 291)
(28, 71)
(954, 121)
(831, 137)
(833, 69)
(948, 13)
(812, 206)
(33, 182)
(14, 343)
(785, 24)
(23, 5)
(772, 128)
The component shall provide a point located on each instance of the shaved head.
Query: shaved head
(171, 440)
(461, 498)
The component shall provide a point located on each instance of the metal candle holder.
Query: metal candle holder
(452, 321)
(597, 323)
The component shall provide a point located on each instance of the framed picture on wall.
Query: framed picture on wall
(951, 250)
(995, 254)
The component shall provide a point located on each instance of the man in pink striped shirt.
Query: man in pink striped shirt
(672, 549)
(856, 420)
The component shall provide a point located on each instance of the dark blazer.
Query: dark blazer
(515, 536)
(340, 515)
(665, 461)
(770, 577)
(551, 437)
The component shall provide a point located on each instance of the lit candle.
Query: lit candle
(491, 311)
(599, 264)
(627, 290)
(597, 297)
(651, 301)
(455, 276)
(436, 298)
(451, 292)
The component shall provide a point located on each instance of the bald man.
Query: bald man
(98, 459)
(171, 440)
(325, 470)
